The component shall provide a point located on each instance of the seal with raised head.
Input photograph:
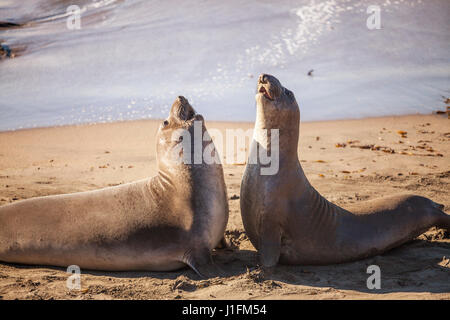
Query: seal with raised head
(289, 222)
(162, 223)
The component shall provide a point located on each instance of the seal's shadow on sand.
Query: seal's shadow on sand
(418, 266)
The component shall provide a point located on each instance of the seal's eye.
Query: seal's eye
(165, 123)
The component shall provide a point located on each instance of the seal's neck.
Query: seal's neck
(187, 179)
(287, 122)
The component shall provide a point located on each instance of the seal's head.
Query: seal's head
(175, 135)
(271, 94)
(275, 104)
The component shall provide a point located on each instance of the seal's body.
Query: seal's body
(158, 224)
(288, 221)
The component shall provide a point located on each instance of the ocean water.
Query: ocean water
(131, 58)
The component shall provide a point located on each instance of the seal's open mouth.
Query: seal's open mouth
(269, 87)
(265, 93)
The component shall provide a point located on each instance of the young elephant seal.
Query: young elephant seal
(289, 222)
(159, 224)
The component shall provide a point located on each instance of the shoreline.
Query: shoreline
(87, 124)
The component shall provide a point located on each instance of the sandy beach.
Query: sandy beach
(346, 160)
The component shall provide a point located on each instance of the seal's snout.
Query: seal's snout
(181, 109)
(269, 86)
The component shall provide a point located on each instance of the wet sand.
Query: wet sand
(347, 161)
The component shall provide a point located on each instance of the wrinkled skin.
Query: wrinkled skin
(289, 222)
(159, 224)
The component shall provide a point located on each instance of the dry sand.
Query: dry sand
(77, 158)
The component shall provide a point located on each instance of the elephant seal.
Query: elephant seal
(289, 222)
(162, 223)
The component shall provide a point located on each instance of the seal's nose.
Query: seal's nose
(181, 99)
(262, 78)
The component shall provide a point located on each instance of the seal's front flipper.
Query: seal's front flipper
(269, 244)
(201, 262)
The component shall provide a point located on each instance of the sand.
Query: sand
(376, 161)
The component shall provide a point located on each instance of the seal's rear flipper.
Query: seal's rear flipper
(201, 262)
